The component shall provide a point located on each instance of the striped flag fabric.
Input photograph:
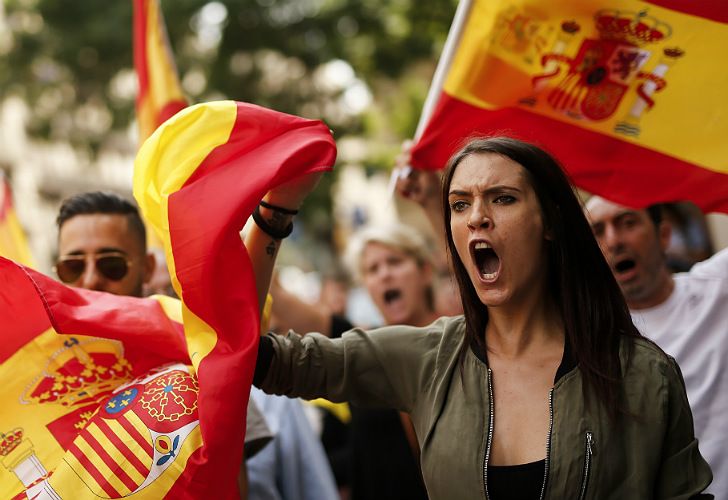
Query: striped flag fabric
(13, 243)
(160, 93)
(629, 95)
(111, 396)
(82, 416)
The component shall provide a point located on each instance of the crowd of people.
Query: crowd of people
(561, 359)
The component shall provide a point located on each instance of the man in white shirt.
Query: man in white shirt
(686, 314)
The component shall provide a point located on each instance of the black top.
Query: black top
(516, 482)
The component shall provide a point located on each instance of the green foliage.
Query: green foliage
(72, 62)
(64, 54)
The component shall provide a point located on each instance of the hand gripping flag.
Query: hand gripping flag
(629, 94)
(160, 94)
(108, 396)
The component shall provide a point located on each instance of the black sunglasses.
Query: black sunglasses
(111, 265)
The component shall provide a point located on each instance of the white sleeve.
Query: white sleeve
(714, 267)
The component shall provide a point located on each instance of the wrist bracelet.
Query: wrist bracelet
(276, 234)
(282, 210)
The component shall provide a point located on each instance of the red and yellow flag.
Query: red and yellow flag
(629, 95)
(13, 243)
(109, 396)
(160, 94)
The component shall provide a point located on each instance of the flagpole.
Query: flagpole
(438, 80)
(443, 65)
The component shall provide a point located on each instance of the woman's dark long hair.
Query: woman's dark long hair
(593, 310)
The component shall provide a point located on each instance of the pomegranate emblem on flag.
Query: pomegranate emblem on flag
(593, 83)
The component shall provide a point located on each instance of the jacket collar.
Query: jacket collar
(568, 362)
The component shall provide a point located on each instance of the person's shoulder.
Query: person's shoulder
(647, 360)
(715, 267)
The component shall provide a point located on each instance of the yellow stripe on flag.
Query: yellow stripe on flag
(116, 455)
(101, 466)
(130, 442)
(13, 243)
(174, 166)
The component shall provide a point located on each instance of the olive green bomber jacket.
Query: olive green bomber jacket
(417, 370)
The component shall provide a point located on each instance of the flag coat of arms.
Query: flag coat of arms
(629, 95)
(109, 396)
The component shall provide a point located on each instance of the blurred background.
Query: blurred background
(68, 86)
(67, 90)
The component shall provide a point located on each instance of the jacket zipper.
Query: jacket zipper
(548, 444)
(588, 452)
(489, 439)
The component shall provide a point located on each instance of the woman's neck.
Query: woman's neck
(514, 332)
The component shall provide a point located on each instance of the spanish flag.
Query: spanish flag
(160, 94)
(630, 95)
(109, 396)
(13, 243)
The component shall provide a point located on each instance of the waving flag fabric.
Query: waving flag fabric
(629, 95)
(160, 94)
(85, 416)
(108, 396)
(13, 243)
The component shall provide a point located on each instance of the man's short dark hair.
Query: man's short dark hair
(655, 213)
(101, 202)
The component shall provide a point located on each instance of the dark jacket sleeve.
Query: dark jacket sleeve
(684, 473)
(384, 368)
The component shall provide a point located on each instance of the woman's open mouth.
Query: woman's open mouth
(486, 260)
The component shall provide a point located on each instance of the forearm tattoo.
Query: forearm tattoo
(271, 248)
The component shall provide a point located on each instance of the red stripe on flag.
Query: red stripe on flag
(122, 447)
(91, 469)
(619, 170)
(22, 308)
(138, 437)
(115, 467)
(5, 198)
(141, 20)
(715, 10)
(170, 109)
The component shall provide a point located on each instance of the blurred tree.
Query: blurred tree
(72, 61)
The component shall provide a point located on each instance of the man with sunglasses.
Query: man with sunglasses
(102, 244)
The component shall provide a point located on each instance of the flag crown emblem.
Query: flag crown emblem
(80, 376)
(10, 441)
(635, 28)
